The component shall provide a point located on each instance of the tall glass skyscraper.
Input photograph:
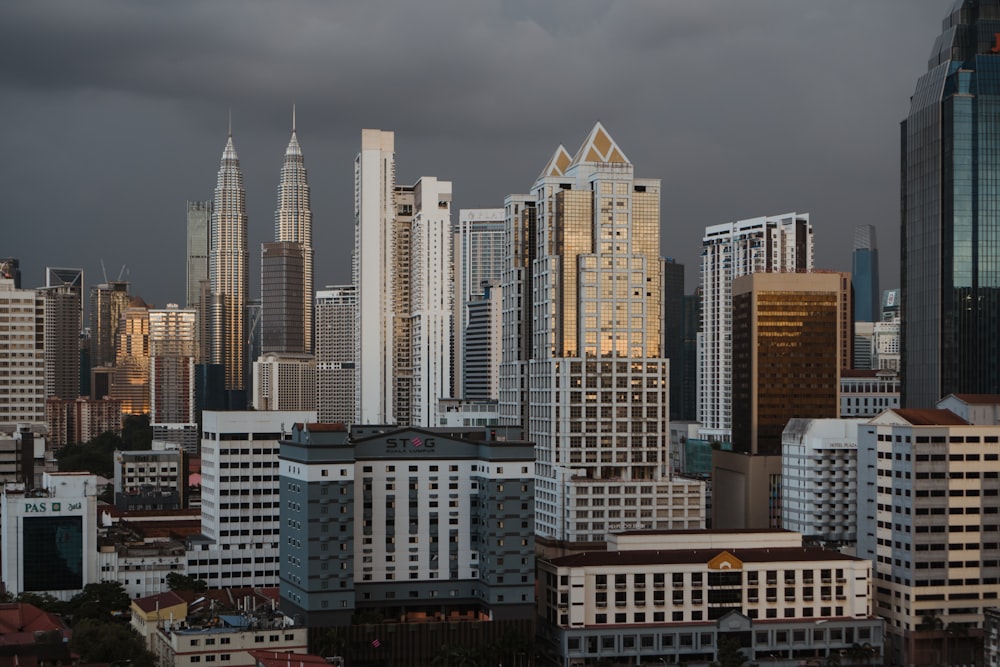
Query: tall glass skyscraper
(950, 161)
(864, 275)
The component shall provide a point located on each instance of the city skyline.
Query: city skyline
(721, 153)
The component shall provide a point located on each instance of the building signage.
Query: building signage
(42, 508)
(414, 445)
(842, 445)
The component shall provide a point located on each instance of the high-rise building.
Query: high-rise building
(673, 332)
(864, 275)
(228, 264)
(199, 222)
(22, 356)
(63, 321)
(403, 275)
(774, 243)
(173, 346)
(788, 349)
(950, 255)
(373, 269)
(238, 546)
(336, 314)
(293, 224)
(594, 381)
(107, 302)
(282, 318)
(284, 381)
(131, 373)
(478, 244)
(482, 346)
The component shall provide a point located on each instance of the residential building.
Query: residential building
(481, 344)
(228, 271)
(410, 524)
(782, 243)
(49, 535)
(336, 314)
(22, 357)
(284, 382)
(141, 567)
(612, 606)
(478, 244)
(928, 508)
(238, 545)
(131, 373)
(293, 224)
(864, 275)
(950, 263)
(173, 349)
(73, 422)
(819, 479)
(454, 412)
(148, 612)
(592, 379)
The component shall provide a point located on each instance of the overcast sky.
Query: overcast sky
(113, 113)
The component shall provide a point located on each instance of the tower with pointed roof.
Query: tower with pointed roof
(589, 382)
(227, 267)
(293, 224)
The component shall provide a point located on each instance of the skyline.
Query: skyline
(740, 111)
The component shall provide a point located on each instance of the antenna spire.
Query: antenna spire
(293, 118)
(230, 122)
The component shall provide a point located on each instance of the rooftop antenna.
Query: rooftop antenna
(293, 118)
(230, 122)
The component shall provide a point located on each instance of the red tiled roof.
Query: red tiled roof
(158, 601)
(930, 417)
(24, 617)
(276, 659)
(979, 399)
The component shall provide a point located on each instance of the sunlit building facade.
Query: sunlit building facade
(131, 373)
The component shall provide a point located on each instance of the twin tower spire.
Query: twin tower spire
(229, 260)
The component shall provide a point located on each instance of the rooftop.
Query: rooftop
(688, 556)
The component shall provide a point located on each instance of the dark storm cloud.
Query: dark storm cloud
(114, 112)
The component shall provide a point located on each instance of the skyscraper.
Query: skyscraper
(173, 347)
(594, 381)
(403, 274)
(131, 373)
(227, 268)
(63, 293)
(374, 213)
(199, 222)
(293, 224)
(282, 318)
(336, 313)
(864, 275)
(950, 252)
(107, 302)
(757, 245)
(22, 356)
(479, 246)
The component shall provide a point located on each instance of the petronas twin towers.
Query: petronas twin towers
(291, 290)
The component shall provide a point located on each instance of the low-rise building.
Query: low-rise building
(227, 639)
(866, 393)
(675, 596)
(150, 479)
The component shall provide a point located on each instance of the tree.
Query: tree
(730, 653)
(98, 641)
(99, 601)
(137, 434)
(182, 582)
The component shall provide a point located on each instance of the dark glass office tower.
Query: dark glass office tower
(950, 181)
(864, 275)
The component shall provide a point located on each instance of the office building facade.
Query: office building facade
(199, 222)
(107, 302)
(282, 314)
(782, 243)
(130, 382)
(592, 379)
(864, 275)
(22, 359)
(950, 256)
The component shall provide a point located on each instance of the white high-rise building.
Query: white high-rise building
(240, 528)
(336, 312)
(772, 243)
(173, 349)
(228, 263)
(596, 391)
(284, 381)
(374, 213)
(403, 276)
(479, 253)
(22, 356)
